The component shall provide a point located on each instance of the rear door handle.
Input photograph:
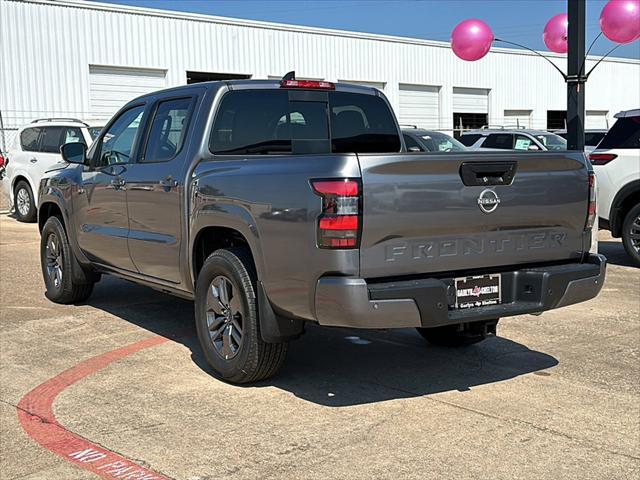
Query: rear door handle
(33, 160)
(168, 182)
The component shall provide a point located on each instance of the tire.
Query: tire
(25, 205)
(227, 323)
(459, 335)
(631, 233)
(56, 259)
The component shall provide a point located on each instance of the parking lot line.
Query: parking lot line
(38, 419)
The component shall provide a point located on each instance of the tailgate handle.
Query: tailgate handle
(488, 173)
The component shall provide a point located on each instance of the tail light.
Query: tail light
(339, 224)
(3, 162)
(592, 210)
(602, 158)
(313, 84)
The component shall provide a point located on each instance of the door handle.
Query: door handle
(168, 182)
(33, 160)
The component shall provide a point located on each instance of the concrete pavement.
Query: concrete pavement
(555, 396)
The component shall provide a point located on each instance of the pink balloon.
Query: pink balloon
(556, 32)
(620, 20)
(471, 40)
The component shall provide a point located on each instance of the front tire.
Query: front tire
(459, 335)
(227, 320)
(24, 202)
(57, 260)
(631, 233)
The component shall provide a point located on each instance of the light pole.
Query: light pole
(576, 78)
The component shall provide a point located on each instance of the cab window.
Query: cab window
(168, 130)
(118, 141)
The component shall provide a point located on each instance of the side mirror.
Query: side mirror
(533, 148)
(74, 152)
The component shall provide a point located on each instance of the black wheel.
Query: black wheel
(227, 320)
(24, 202)
(631, 233)
(57, 259)
(459, 335)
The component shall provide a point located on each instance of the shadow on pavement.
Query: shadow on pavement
(339, 367)
(615, 253)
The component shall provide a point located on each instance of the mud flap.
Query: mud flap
(275, 328)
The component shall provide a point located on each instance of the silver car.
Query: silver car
(516, 139)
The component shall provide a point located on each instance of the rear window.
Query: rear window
(470, 139)
(276, 122)
(625, 133)
(592, 138)
(503, 141)
(29, 139)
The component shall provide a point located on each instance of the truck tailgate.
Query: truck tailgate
(421, 217)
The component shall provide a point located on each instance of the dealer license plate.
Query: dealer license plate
(478, 291)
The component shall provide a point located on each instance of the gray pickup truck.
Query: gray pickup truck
(276, 203)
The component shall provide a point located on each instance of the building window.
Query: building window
(468, 121)
(556, 119)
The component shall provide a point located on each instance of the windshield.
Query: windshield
(94, 132)
(552, 141)
(440, 142)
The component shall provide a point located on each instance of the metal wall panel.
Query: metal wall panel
(44, 71)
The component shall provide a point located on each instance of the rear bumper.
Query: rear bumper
(351, 302)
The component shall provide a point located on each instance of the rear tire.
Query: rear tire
(57, 260)
(459, 335)
(227, 320)
(24, 203)
(631, 233)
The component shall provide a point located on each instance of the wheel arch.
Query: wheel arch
(625, 199)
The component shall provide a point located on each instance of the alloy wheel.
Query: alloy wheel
(634, 234)
(23, 202)
(225, 315)
(53, 255)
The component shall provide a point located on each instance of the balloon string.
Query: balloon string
(537, 53)
(584, 60)
(598, 62)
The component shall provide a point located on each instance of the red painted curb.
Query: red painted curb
(35, 412)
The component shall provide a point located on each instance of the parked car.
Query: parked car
(36, 150)
(592, 137)
(182, 189)
(517, 139)
(421, 140)
(616, 163)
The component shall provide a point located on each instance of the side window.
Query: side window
(168, 130)
(503, 141)
(50, 139)
(72, 135)
(412, 144)
(522, 143)
(118, 141)
(470, 139)
(29, 139)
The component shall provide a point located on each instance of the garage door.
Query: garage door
(517, 118)
(378, 85)
(419, 106)
(470, 100)
(111, 87)
(596, 119)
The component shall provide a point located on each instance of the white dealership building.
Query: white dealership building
(85, 60)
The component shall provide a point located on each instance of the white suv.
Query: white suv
(36, 149)
(616, 163)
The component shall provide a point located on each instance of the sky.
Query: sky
(520, 21)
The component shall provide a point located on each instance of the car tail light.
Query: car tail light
(340, 223)
(602, 158)
(593, 207)
(3, 162)
(313, 84)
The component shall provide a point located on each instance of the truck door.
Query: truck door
(155, 184)
(101, 204)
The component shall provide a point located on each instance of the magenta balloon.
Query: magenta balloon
(556, 33)
(471, 40)
(620, 20)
